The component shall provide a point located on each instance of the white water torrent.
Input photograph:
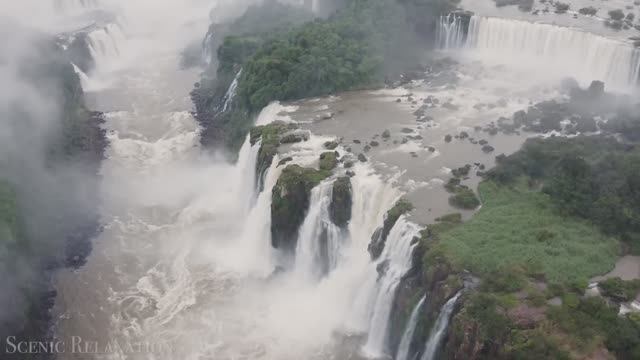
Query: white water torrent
(407, 336)
(231, 92)
(450, 32)
(439, 328)
(105, 43)
(549, 49)
(84, 79)
(387, 272)
(319, 241)
(207, 49)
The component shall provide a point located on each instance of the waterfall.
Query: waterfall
(318, 246)
(407, 336)
(439, 328)
(231, 92)
(561, 51)
(207, 48)
(450, 32)
(104, 44)
(84, 79)
(66, 6)
(393, 263)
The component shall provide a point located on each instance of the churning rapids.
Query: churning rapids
(185, 264)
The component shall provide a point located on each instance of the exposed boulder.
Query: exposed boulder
(328, 160)
(330, 145)
(341, 201)
(290, 202)
(379, 238)
(271, 137)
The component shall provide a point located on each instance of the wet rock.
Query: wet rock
(488, 148)
(367, 148)
(294, 137)
(348, 164)
(285, 160)
(362, 157)
(483, 142)
(407, 130)
(328, 160)
(448, 138)
(450, 106)
(463, 135)
(386, 134)
(356, 141)
(374, 143)
(290, 202)
(413, 154)
(341, 200)
(325, 116)
(461, 171)
(379, 238)
(330, 145)
(432, 149)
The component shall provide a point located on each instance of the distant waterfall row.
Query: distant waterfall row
(554, 49)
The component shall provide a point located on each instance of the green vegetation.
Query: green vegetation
(328, 160)
(619, 289)
(518, 226)
(290, 202)
(594, 178)
(282, 59)
(591, 321)
(464, 198)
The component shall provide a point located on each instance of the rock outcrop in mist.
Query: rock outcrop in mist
(51, 146)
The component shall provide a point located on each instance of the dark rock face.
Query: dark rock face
(341, 201)
(78, 53)
(379, 238)
(290, 203)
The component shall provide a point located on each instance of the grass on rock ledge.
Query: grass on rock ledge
(519, 227)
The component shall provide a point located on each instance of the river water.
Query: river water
(184, 267)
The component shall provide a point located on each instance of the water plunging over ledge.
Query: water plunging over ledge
(547, 49)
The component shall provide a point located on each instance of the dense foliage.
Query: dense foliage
(354, 48)
(518, 227)
(595, 178)
(281, 59)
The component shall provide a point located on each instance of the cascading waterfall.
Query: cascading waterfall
(393, 263)
(569, 51)
(450, 32)
(104, 44)
(207, 48)
(318, 246)
(439, 328)
(66, 6)
(231, 92)
(407, 336)
(84, 79)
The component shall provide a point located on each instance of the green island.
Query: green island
(542, 233)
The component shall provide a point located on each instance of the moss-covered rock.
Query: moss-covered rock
(328, 160)
(379, 238)
(290, 202)
(341, 201)
(330, 145)
(271, 136)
